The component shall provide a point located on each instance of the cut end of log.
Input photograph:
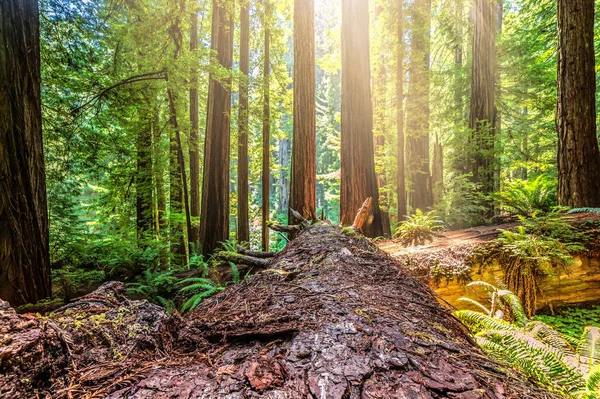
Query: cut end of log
(362, 218)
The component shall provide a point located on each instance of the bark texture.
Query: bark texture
(303, 186)
(358, 180)
(194, 143)
(332, 317)
(214, 219)
(266, 134)
(418, 109)
(578, 155)
(243, 228)
(24, 258)
(482, 117)
(400, 162)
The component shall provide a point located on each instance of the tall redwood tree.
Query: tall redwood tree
(243, 228)
(418, 108)
(578, 155)
(303, 184)
(358, 180)
(194, 143)
(214, 219)
(24, 258)
(400, 163)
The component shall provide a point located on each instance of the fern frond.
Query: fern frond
(477, 321)
(476, 304)
(589, 346)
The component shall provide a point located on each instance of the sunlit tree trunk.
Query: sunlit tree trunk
(161, 223)
(243, 229)
(578, 155)
(437, 171)
(358, 180)
(24, 257)
(304, 153)
(283, 183)
(400, 165)
(417, 108)
(482, 117)
(214, 219)
(194, 144)
(266, 135)
(380, 120)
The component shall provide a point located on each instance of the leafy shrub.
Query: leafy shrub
(419, 228)
(461, 205)
(561, 363)
(529, 197)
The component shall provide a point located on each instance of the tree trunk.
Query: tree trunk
(578, 156)
(283, 184)
(24, 256)
(417, 108)
(400, 165)
(482, 117)
(266, 134)
(358, 180)
(303, 178)
(331, 317)
(243, 228)
(182, 176)
(161, 223)
(194, 143)
(214, 219)
(437, 171)
(143, 179)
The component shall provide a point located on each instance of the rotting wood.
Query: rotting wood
(363, 215)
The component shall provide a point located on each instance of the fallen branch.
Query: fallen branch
(293, 229)
(242, 259)
(255, 254)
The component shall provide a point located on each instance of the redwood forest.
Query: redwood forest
(299, 199)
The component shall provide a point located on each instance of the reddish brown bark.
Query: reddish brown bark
(303, 184)
(24, 258)
(482, 117)
(578, 155)
(194, 143)
(214, 219)
(400, 165)
(243, 228)
(358, 180)
(266, 135)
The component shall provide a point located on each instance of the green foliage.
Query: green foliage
(561, 363)
(571, 321)
(529, 197)
(199, 288)
(461, 204)
(419, 228)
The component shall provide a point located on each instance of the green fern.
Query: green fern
(589, 346)
(526, 198)
(584, 210)
(199, 288)
(419, 228)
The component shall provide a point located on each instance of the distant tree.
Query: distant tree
(402, 205)
(304, 151)
(214, 219)
(358, 180)
(482, 116)
(194, 143)
(24, 257)
(266, 133)
(143, 176)
(578, 155)
(418, 109)
(243, 229)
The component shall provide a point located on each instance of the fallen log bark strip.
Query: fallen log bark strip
(242, 259)
(332, 318)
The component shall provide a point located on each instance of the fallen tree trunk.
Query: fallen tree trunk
(331, 317)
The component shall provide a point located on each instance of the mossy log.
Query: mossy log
(330, 317)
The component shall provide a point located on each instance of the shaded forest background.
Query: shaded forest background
(125, 86)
